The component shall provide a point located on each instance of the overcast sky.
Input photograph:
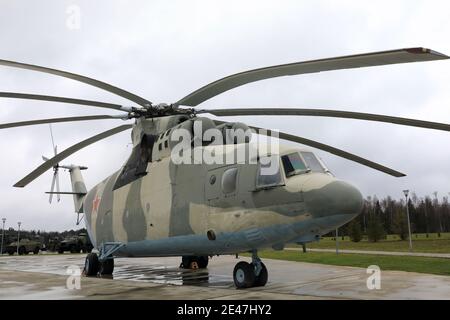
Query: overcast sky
(163, 50)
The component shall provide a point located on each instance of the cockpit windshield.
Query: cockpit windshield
(313, 163)
(301, 162)
(293, 164)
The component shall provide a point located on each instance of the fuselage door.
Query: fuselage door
(221, 183)
(221, 196)
(212, 184)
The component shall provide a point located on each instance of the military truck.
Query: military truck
(75, 244)
(52, 244)
(25, 247)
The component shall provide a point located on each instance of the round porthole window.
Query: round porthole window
(212, 179)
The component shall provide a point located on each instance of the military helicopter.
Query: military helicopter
(153, 206)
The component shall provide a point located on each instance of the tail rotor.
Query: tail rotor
(55, 180)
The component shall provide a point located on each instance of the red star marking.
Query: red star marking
(95, 203)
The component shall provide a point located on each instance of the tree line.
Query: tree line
(380, 217)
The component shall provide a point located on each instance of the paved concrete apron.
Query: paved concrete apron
(44, 277)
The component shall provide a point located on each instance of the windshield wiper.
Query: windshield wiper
(298, 171)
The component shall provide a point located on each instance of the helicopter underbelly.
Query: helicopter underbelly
(275, 236)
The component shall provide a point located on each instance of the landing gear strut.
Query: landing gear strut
(103, 263)
(247, 275)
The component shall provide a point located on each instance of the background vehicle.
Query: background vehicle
(74, 244)
(25, 247)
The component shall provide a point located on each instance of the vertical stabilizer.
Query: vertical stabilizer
(78, 187)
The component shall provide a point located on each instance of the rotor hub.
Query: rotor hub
(158, 110)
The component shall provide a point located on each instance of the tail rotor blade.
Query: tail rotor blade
(58, 196)
(52, 188)
(51, 134)
(66, 153)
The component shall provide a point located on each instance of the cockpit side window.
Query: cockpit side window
(269, 174)
(312, 162)
(293, 164)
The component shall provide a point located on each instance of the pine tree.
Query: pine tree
(400, 225)
(354, 230)
(375, 229)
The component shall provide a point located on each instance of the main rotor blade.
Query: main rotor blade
(96, 83)
(54, 120)
(328, 113)
(63, 100)
(330, 149)
(346, 62)
(66, 153)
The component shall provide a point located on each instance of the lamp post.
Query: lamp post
(406, 192)
(3, 235)
(18, 237)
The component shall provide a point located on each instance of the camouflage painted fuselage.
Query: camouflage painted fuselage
(170, 209)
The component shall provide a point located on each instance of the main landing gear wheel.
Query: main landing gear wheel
(107, 267)
(261, 279)
(194, 262)
(247, 275)
(91, 265)
(244, 275)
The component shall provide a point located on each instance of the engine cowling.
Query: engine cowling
(235, 132)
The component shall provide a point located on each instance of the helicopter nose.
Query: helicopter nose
(347, 198)
(335, 198)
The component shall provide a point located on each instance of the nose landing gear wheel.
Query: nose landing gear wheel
(244, 275)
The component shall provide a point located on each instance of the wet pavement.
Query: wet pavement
(45, 276)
